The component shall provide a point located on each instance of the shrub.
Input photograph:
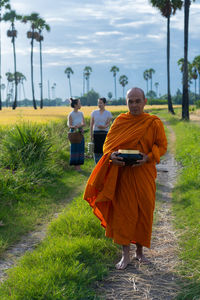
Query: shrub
(25, 145)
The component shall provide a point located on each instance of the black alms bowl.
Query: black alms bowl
(130, 157)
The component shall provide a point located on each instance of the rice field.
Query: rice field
(8, 116)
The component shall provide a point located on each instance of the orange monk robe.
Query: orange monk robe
(123, 198)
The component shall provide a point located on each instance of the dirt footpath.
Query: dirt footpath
(154, 280)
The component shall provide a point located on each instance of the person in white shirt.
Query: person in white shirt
(99, 126)
(76, 121)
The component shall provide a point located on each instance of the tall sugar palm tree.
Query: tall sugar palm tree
(123, 80)
(69, 71)
(4, 4)
(181, 67)
(114, 70)
(151, 72)
(185, 97)
(196, 63)
(156, 86)
(167, 8)
(146, 78)
(32, 34)
(87, 72)
(41, 25)
(20, 80)
(9, 90)
(12, 17)
(194, 75)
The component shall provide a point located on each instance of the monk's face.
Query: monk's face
(136, 101)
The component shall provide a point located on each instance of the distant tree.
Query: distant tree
(167, 8)
(41, 25)
(151, 72)
(4, 4)
(156, 86)
(181, 67)
(109, 95)
(20, 79)
(12, 17)
(114, 70)
(196, 63)
(9, 90)
(146, 78)
(2, 87)
(185, 99)
(92, 98)
(123, 80)
(87, 72)
(194, 75)
(32, 34)
(69, 71)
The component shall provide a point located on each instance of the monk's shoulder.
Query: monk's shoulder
(121, 117)
(157, 123)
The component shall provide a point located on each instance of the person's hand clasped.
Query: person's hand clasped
(116, 160)
(141, 161)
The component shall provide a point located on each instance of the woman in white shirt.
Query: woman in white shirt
(99, 126)
(76, 121)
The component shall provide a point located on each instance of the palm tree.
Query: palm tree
(12, 17)
(20, 79)
(69, 71)
(185, 97)
(53, 88)
(87, 72)
(146, 77)
(3, 4)
(33, 20)
(196, 63)
(156, 86)
(41, 25)
(194, 75)
(9, 89)
(2, 87)
(151, 72)
(123, 80)
(181, 66)
(114, 70)
(167, 8)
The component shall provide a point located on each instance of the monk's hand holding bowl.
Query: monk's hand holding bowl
(142, 161)
(116, 160)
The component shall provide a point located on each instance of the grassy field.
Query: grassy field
(9, 116)
(69, 261)
(186, 205)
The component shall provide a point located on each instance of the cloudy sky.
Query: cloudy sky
(100, 33)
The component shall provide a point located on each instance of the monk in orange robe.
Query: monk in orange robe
(123, 197)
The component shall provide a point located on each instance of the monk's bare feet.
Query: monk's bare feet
(125, 260)
(139, 254)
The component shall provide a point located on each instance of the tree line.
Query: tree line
(35, 33)
(167, 8)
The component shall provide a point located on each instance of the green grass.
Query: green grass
(66, 265)
(186, 205)
(30, 194)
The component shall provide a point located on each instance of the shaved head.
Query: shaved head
(134, 92)
(136, 101)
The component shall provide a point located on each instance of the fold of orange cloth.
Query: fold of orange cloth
(123, 198)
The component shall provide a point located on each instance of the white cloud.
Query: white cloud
(109, 33)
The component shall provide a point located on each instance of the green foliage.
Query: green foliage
(25, 145)
(186, 206)
(65, 265)
(156, 102)
(197, 103)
